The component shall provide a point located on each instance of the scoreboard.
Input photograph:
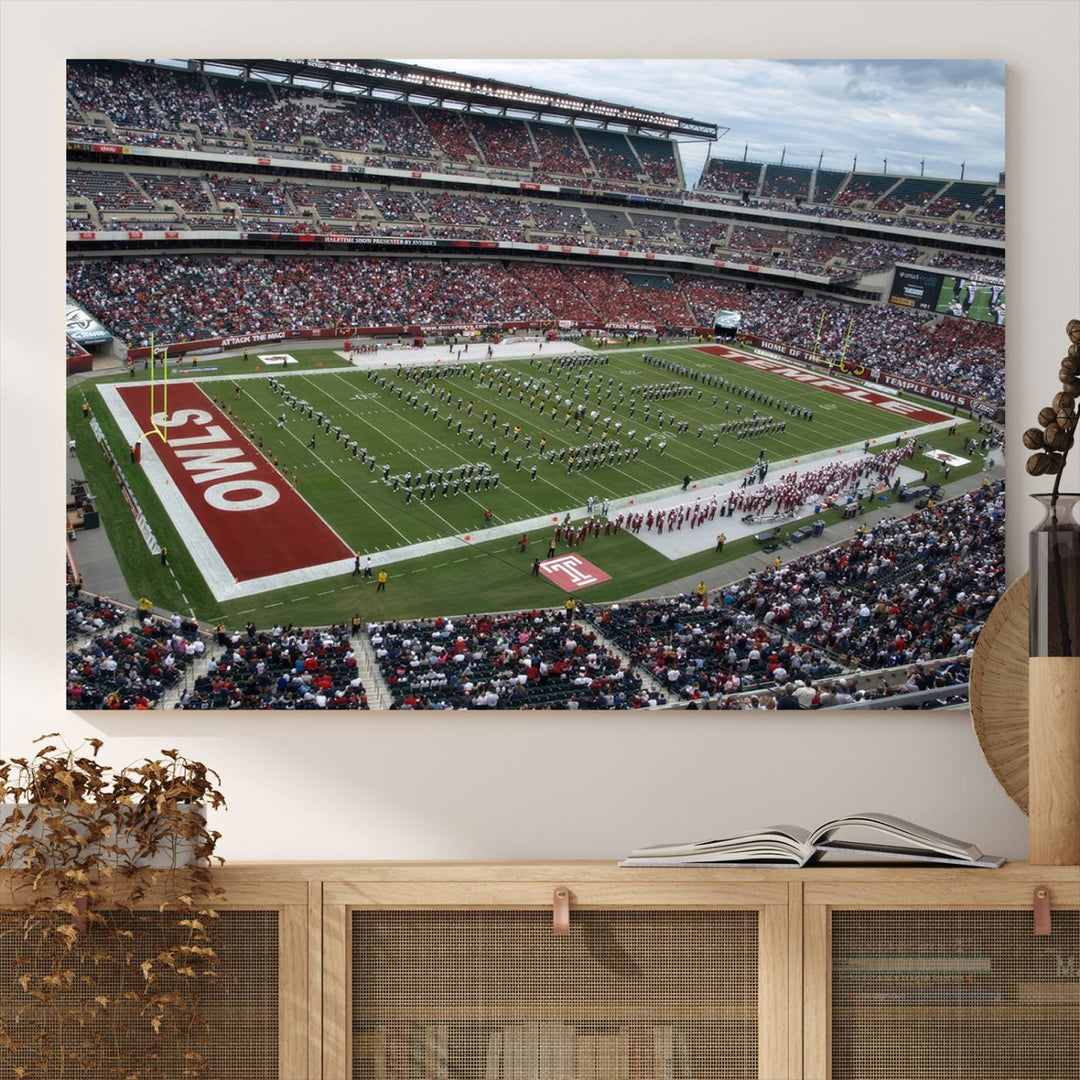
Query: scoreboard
(981, 298)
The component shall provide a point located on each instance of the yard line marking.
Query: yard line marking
(402, 449)
(333, 472)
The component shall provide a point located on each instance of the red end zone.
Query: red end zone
(908, 409)
(248, 512)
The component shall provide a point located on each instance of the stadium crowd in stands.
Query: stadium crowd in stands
(527, 660)
(124, 667)
(284, 668)
(909, 590)
(903, 594)
(183, 301)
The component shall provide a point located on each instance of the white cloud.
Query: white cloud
(943, 111)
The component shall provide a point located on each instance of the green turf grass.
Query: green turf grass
(493, 575)
(370, 516)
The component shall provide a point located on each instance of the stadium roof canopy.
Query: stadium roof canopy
(385, 78)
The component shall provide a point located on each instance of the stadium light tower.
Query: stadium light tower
(821, 158)
(922, 167)
(962, 164)
(884, 165)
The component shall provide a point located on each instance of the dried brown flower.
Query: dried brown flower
(106, 879)
(1038, 464)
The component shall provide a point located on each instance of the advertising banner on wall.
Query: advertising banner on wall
(83, 328)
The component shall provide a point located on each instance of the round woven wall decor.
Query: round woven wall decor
(999, 691)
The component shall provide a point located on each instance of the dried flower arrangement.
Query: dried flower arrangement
(1053, 440)
(107, 928)
(1054, 555)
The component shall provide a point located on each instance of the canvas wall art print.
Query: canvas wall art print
(518, 384)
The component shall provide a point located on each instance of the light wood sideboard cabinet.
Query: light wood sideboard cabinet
(424, 971)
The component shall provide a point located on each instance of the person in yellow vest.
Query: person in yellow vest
(776, 563)
(381, 586)
(701, 590)
(721, 540)
(570, 605)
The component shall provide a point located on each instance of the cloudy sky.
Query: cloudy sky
(943, 111)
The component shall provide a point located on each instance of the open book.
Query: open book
(864, 837)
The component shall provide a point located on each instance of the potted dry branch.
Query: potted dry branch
(107, 915)
(1054, 664)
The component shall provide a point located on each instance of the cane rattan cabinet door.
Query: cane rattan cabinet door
(63, 1009)
(229, 1019)
(946, 991)
(492, 993)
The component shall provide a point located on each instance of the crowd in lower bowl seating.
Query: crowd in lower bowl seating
(531, 659)
(695, 647)
(908, 591)
(830, 693)
(284, 668)
(126, 667)
(617, 301)
(87, 614)
(959, 354)
(176, 295)
(554, 291)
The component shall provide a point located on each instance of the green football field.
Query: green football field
(370, 515)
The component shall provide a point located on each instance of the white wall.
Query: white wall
(520, 786)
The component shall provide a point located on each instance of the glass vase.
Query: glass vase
(1054, 576)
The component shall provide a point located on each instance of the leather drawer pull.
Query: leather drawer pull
(560, 911)
(1041, 904)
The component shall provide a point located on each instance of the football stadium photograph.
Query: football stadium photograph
(488, 384)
